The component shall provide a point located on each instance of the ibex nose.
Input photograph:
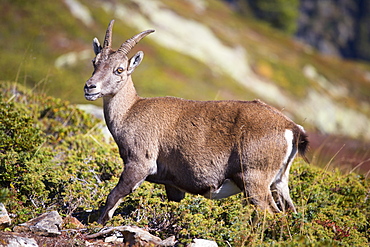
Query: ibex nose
(92, 91)
(89, 86)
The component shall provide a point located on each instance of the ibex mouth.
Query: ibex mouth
(92, 96)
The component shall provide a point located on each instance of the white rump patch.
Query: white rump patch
(289, 141)
(228, 188)
(283, 174)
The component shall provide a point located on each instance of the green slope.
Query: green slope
(63, 163)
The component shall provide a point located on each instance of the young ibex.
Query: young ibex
(211, 148)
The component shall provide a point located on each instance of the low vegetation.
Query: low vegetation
(53, 156)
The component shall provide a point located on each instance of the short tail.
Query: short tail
(301, 139)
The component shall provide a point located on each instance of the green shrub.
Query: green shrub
(332, 211)
(54, 157)
(20, 141)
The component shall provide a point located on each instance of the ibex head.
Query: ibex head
(112, 68)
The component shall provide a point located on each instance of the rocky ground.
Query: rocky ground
(50, 229)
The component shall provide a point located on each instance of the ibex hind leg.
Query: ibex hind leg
(280, 185)
(282, 196)
(256, 187)
(281, 192)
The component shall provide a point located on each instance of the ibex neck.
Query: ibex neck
(117, 106)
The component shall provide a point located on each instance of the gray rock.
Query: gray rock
(47, 224)
(12, 239)
(94, 110)
(113, 239)
(202, 243)
(4, 217)
(133, 236)
(97, 112)
(22, 242)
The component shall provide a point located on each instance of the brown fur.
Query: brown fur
(191, 146)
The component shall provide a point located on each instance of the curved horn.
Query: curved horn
(130, 43)
(108, 35)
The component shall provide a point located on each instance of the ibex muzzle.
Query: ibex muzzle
(211, 148)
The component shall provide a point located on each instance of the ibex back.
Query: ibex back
(212, 148)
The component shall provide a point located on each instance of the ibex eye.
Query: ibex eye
(119, 70)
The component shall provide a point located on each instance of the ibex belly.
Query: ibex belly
(228, 188)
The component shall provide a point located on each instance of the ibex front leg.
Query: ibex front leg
(130, 179)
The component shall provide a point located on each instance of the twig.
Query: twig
(360, 164)
(107, 231)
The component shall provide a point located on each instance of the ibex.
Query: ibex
(211, 148)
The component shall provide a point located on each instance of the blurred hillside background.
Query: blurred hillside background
(310, 59)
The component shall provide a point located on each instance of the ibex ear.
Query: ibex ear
(96, 45)
(134, 62)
